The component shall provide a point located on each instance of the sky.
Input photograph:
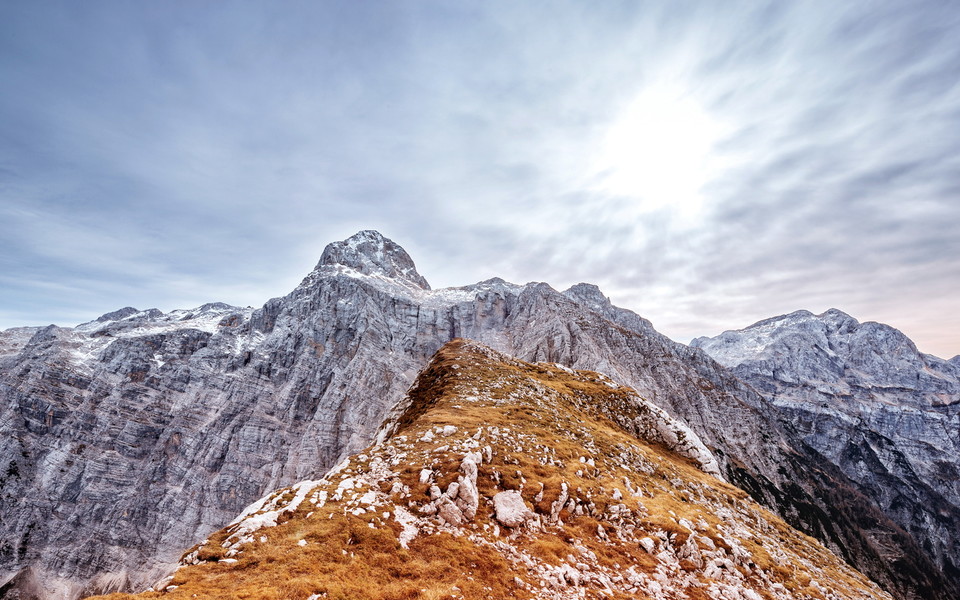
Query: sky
(707, 164)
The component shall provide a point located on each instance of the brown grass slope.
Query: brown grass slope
(605, 514)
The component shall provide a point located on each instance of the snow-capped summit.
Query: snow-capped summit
(370, 253)
(834, 348)
(864, 396)
(116, 315)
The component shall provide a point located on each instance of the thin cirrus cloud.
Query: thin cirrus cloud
(708, 166)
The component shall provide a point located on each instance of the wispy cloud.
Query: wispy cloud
(175, 154)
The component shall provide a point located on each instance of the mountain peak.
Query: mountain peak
(118, 314)
(371, 253)
(588, 294)
(837, 318)
(835, 313)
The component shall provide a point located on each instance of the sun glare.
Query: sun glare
(659, 152)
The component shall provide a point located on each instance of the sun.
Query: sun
(659, 151)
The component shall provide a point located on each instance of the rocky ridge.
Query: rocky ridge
(864, 396)
(139, 433)
(507, 479)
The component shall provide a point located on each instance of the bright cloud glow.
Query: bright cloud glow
(708, 164)
(660, 151)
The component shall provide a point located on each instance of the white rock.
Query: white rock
(409, 524)
(571, 575)
(557, 504)
(453, 490)
(468, 497)
(449, 512)
(511, 510)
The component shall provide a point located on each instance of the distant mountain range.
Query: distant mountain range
(863, 396)
(128, 439)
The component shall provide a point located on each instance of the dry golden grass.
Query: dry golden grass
(346, 559)
(565, 416)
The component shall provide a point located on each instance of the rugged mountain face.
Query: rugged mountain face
(862, 395)
(507, 479)
(131, 437)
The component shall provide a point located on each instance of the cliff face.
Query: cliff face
(129, 438)
(865, 397)
(505, 479)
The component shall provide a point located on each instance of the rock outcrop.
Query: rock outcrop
(635, 520)
(867, 399)
(128, 438)
(22, 586)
